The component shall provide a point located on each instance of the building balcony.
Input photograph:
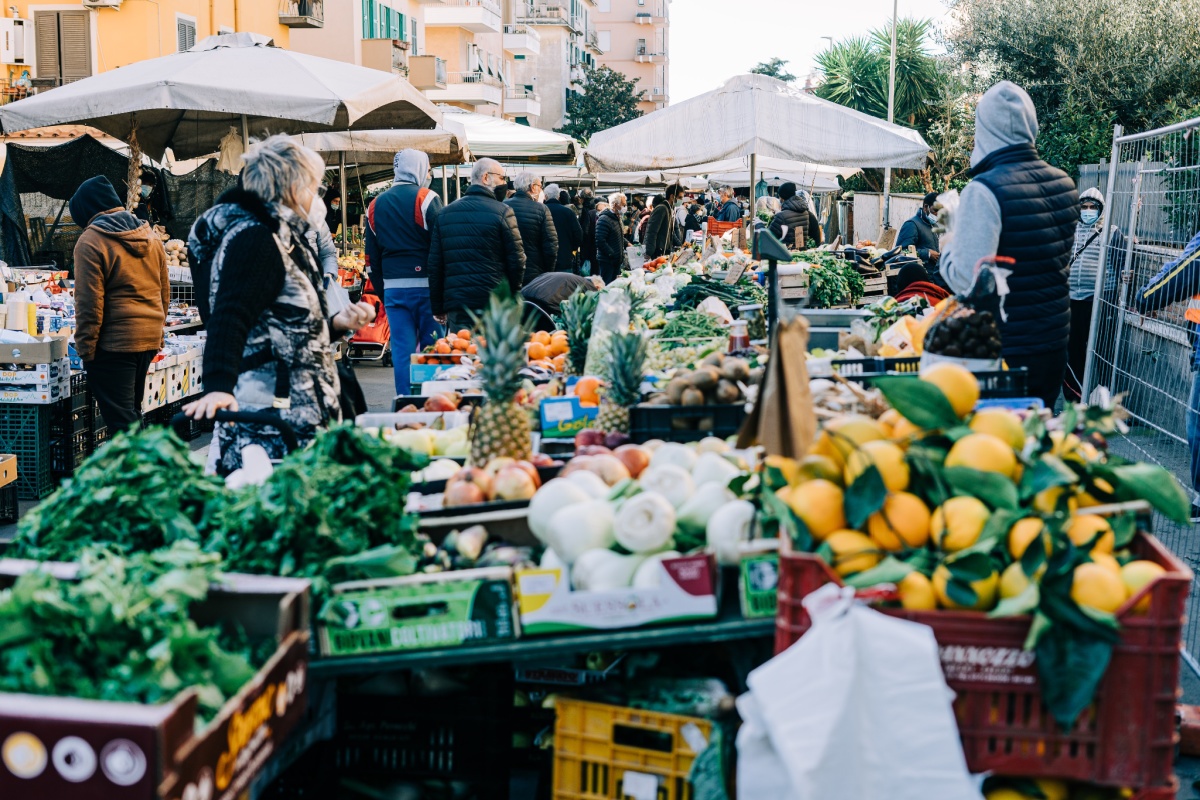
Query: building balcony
(522, 40)
(469, 88)
(648, 18)
(657, 94)
(645, 56)
(302, 13)
(549, 12)
(476, 16)
(427, 72)
(593, 43)
(522, 103)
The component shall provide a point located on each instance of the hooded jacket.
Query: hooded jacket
(476, 245)
(570, 235)
(122, 287)
(1020, 207)
(611, 256)
(400, 226)
(796, 216)
(538, 234)
(918, 233)
(1085, 253)
(660, 230)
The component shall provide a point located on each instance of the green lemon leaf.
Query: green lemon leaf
(971, 567)
(1070, 664)
(1153, 484)
(864, 497)
(1047, 471)
(994, 532)
(961, 593)
(921, 403)
(1023, 603)
(890, 570)
(778, 521)
(995, 490)
(773, 478)
(1034, 556)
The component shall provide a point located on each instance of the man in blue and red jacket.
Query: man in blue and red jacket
(399, 229)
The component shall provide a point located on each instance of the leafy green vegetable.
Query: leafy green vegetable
(692, 325)
(744, 292)
(121, 631)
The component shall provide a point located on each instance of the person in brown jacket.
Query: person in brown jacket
(122, 291)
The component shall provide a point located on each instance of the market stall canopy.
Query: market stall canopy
(493, 137)
(775, 171)
(375, 148)
(189, 101)
(754, 115)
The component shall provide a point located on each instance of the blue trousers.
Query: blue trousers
(410, 316)
(1193, 433)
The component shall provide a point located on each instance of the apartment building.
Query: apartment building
(635, 37)
(72, 39)
(568, 44)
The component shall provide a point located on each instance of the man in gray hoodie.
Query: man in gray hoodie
(1020, 207)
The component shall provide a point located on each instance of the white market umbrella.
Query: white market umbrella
(754, 115)
(189, 101)
(494, 137)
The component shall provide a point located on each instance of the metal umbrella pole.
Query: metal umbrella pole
(342, 181)
(445, 197)
(887, 173)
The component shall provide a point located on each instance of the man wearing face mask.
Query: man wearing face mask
(1084, 263)
(476, 244)
(611, 256)
(918, 232)
(538, 232)
(661, 230)
(146, 195)
(399, 230)
(333, 215)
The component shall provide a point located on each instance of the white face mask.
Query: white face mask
(316, 210)
(1088, 216)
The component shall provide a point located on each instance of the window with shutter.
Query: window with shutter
(185, 34)
(64, 45)
(45, 25)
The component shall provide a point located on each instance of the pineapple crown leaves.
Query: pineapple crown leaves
(504, 331)
(626, 364)
(575, 317)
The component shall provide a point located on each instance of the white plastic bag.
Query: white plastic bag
(858, 709)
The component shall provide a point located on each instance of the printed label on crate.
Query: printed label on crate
(30, 396)
(1008, 666)
(31, 373)
(759, 585)
(419, 614)
(563, 417)
(685, 592)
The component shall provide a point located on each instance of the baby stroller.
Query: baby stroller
(373, 342)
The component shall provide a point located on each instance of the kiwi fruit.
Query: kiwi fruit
(736, 370)
(728, 392)
(705, 378)
(675, 390)
(713, 360)
(692, 397)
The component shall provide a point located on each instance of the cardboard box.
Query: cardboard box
(8, 469)
(196, 378)
(33, 395)
(421, 611)
(100, 750)
(34, 373)
(156, 391)
(176, 377)
(52, 349)
(547, 604)
(563, 417)
(420, 373)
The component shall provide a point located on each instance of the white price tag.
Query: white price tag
(639, 786)
(558, 410)
(694, 737)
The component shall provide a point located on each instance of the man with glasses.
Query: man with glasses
(476, 245)
(538, 233)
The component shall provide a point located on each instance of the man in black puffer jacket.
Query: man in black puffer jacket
(611, 255)
(794, 217)
(476, 244)
(1021, 207)
(660, 231)
(538, 235)
(566, 224)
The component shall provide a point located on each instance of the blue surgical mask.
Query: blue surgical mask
(146, 190)
(1088, 216)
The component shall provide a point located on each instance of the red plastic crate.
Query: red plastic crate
(1126, 738)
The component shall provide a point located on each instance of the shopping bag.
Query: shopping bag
(858, 708)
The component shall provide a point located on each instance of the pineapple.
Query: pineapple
(576, 315)
(501, 426)
(626, 361)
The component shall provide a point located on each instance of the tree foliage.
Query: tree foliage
(609, 100)
(775, 68)
(1085, 65)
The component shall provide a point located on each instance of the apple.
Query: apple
(462, 493)
(476, 477)
(514, 483)
(610, 468)
(592, 450)
(614, 440)
(445, 401)
(635, 458)
(589, 436)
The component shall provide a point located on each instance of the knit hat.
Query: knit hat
(93, 197)
(909, 274)
(787, 191)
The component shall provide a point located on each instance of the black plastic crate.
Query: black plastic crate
(418, 400)
(10, 510)
(67, 453)
(1002, 383)
(66, 420)
(81, 396)
(902, 364)
(25, 432)
(465, 737)
(684, 423)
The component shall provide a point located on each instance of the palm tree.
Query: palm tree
(852, 76)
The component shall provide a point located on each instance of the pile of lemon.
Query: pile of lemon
(849, 443)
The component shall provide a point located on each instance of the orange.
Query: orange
(588, 391)
(558, 347)
(464, 334)
(459, 344)
(472, 349)
(442, 346)
(560, 362)
(541, 337)
(537, 351)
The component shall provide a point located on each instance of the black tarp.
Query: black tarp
(194, 193)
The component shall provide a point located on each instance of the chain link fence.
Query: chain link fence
(1142, 345)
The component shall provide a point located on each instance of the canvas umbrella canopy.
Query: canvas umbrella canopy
(189, 101)
(492, 137)
(754, 115)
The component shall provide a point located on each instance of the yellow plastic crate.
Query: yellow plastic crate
(600, 749)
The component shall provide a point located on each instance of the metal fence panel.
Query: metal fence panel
(1152, 195)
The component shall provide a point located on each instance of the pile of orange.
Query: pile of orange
(449, 349)
(587, 389)
(548, 350)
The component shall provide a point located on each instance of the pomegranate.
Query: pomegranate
(462, 493)
(514, 483)
(476, 477)
(589, 436)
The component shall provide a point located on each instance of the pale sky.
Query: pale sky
(713, 40)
